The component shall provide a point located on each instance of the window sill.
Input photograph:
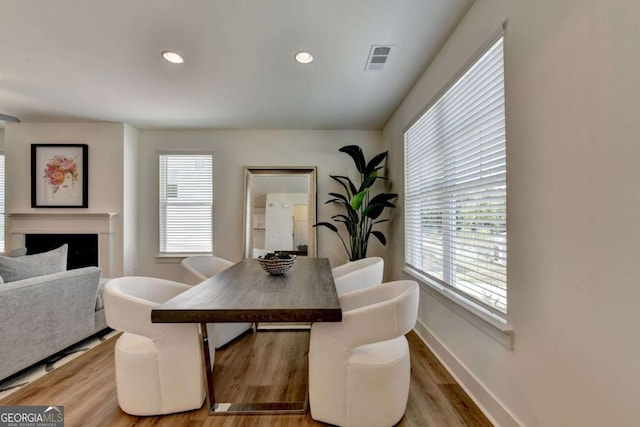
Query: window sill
(175, 258)
(487, 322)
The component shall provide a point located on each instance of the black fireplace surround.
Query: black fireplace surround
(82, 252)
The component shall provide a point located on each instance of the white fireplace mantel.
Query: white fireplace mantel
(102, 224)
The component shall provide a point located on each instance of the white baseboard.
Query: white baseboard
(482, 397)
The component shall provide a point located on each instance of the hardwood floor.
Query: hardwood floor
(267, 366)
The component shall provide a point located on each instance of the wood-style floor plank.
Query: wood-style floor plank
(267, 366)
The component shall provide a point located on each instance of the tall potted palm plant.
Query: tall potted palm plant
(362, 208)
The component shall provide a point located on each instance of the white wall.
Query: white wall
(106, 169)
(232, 151)
(572, 101)
(130, 201)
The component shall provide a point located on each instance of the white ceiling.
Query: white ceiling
(99, 60)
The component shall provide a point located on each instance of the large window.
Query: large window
(455, 173)
(186, 203)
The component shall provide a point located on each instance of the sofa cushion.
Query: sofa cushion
(24, 267)
(42, 315)
(100, 298)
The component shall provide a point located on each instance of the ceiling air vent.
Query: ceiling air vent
(378, 56)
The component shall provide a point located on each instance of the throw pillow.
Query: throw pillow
(15, 253)
(24, 267)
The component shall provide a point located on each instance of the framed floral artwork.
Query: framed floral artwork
(59, 175)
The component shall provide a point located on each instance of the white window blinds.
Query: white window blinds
(2, 203)
(455, 173)
(186, 202)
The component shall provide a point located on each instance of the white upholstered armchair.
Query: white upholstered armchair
(359, 368)
(158, 366)
(197, 268)
(358, 274)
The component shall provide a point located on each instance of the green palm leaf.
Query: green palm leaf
(356, 201)
(356, 154)
(326, 224)
(373, 164)
(361, 212)
(341, 180)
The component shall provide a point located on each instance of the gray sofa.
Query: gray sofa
(42, 315)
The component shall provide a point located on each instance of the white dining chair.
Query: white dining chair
(197, 268)
(358, 274)
(158, 367)
(359, 369)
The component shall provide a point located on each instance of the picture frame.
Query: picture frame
(59, 176)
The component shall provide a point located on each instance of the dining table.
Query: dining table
(246, 293)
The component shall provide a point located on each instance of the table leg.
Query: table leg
(208, 374)
(295, 407)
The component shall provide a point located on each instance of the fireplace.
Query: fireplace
(82, 252)
(101, 227)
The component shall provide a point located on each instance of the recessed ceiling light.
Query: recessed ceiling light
(304, 57)
(172, 57)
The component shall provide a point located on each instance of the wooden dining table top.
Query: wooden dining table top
(246, 293)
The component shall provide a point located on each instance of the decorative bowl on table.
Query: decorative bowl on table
(276, 264)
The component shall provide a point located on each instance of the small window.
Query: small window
(455, 187)
(186, 203)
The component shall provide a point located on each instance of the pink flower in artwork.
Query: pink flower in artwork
(60, 171)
